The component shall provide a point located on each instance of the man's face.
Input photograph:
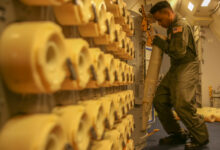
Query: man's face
(163, 18)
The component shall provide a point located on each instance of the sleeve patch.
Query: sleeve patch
(177, 29)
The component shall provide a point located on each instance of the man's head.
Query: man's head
(163, 13)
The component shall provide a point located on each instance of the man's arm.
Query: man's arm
(161, 42)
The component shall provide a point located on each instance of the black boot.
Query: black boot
(195, 145)
(175, 139)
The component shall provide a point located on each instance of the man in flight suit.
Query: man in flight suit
(177, 89)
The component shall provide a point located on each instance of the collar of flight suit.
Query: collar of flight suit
(173, 24)
(176, 19)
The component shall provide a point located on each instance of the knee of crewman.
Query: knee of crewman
(180, 106)
(182, 99)
(161, 96)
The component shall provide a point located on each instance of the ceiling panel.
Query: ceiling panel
(134, 5)
(214, 26)
(206, 11)
(184, 7)
(198, 10)
(199, 15)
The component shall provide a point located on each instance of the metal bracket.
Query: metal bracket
(95, 13)
(123, 12)
(108, 27)
(131, 26)
(68, 147)
(2, 14)
(93, 133)
(128, 48)
(107, 75)
(73, 75)
(94, 76)
(128, 79)
(116, 77)
(75, 2)
(116, 36)
(123, 76)
(128, 21)
(123, 43)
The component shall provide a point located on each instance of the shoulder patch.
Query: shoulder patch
(177, 29)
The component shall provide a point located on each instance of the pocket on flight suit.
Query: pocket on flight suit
(187, 75)
(183, 85)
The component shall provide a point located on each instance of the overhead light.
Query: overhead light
(205, 3)
(190, 6)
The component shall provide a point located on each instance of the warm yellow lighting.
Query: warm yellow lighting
(190, 6)
(205, 3)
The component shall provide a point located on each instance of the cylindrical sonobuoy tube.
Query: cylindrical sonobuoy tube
(34, 63)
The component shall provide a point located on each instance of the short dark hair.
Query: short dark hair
(159, 6)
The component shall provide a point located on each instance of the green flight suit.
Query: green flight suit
(177, 89)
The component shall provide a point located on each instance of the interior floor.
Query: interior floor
(152, 141)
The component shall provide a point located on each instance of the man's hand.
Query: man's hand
(160, 42)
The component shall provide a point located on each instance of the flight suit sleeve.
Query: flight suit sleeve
(178, 42)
